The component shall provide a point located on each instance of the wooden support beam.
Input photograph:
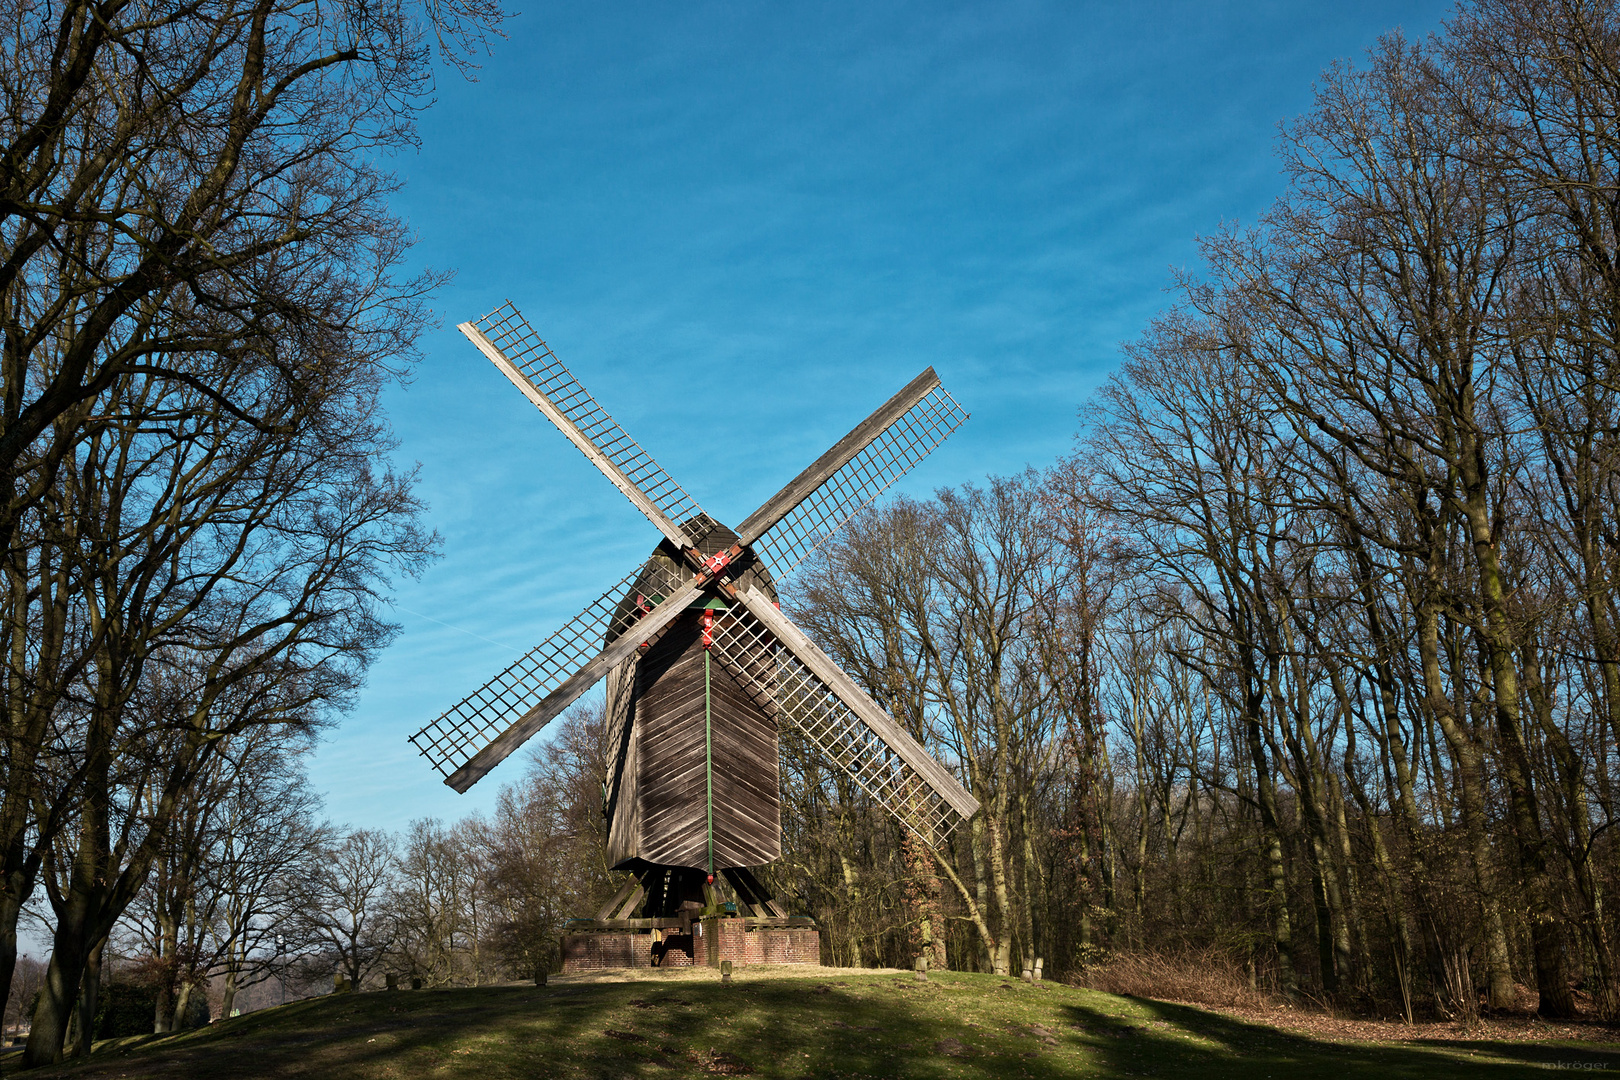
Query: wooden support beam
(579, 926)
(897, 738)
(586, 926)
(629, 905)
(760, 903)
(743, 887)
(801, 487)
(609, 909)
(525, 726)
(526, 386)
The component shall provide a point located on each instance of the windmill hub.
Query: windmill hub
(702, 670)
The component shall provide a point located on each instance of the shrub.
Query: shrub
(126, 1008)
(1203, 978)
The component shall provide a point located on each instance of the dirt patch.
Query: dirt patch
(1046, 1035)
(722, 1064)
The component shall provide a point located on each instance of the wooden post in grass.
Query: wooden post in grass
(922, 969)
(725, 971)
(391, 981)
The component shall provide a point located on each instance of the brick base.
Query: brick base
(629, 949)
(732, 939)
(713, 939)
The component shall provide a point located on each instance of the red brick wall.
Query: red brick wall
(589, 952)
(719, 939)
(728, 939)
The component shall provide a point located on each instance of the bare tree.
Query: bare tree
(190, 203)
(244, 834)
(345, 905)
(229, 578)
(268, 841)
(174, 181)
(937, 609)
(544, 852)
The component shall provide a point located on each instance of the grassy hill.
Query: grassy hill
(842, 1024)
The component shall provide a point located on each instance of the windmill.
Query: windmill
(702, 667)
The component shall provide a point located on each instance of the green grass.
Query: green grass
(850, 1025)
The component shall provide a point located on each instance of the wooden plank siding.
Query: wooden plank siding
(657, 799)
(622, 807)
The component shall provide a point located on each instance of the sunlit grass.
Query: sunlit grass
(849, 1025)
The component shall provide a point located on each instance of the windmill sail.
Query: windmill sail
(488, 725)
(511, 344)
(850, 476)
(673, 722)
(787, 672)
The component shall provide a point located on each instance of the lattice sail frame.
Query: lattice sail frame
(788, 690)
(782, 683)
(511, 333)
(860, 481)
(465, 729)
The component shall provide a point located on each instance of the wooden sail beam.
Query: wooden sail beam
(801, 487)
(525, 726)
(908, 749)
(592, 452)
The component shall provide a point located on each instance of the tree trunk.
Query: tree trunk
(89, 1001)
(852, 889)
(180, 1021)
(1033, 883)
(981, 887)
(1001, 955)
(10, 909)
(923, 900)
(1276, 867)
(227, 1000)
(62, 977)
(1470, 777)
(163, 1002)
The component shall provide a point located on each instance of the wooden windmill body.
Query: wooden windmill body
(703, 670)
(694, 765)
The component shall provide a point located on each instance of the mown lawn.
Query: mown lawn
(850, 1025)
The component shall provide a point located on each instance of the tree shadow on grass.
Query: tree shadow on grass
(337, 1036)
(967, 1027)
(1177, 1040)
(867, 1027)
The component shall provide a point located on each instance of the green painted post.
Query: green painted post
(708, 757)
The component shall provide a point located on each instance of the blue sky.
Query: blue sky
(745, 226)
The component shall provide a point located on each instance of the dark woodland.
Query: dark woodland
(1294, 678)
